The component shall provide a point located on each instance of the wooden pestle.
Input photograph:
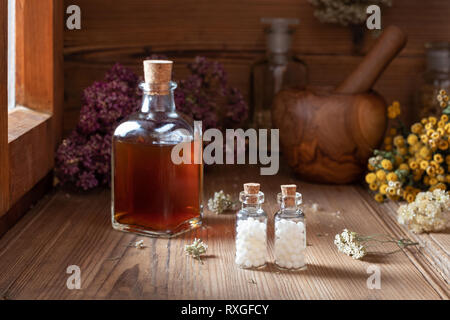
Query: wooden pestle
(387, 47)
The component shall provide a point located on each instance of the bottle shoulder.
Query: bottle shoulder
(250, 212)
(155, 127)
(290, 214)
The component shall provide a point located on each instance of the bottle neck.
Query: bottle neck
(438, 57)
(157, 98)
(290, 203)
(287, 208)
(248, 206)
(279, 58)
(251, 202)
(279, 46)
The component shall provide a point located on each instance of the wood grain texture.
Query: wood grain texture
(31, 133)
(235, 25)
(436, 245)
(39, 58)
(75, 229)
(231, 32)
(328, 137)
(398, 82)
(26, 202)
(30, 139)
(4, 159)
(387, 47)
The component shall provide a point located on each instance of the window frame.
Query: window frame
(29, 133)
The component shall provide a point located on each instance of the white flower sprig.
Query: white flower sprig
(139, 244)
(196, 249)
(355, 245)
(427, 213)
(348, 242)
(220, 202)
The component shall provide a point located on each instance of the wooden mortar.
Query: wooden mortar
(328, 135)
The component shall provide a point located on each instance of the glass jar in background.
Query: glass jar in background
(251, 228)
(290, 231)
(279, 70)
(435, 77)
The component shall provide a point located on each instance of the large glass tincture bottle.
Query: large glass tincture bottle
(151, 195)
(279, 70)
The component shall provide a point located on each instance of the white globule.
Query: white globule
(290, 243)
(251, 239)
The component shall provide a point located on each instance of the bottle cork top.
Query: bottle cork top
(158, 71)
(251, 188)
(288, 189)
(252, 192)
(289, 192)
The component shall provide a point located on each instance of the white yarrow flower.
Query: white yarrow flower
(347, 242)
(354, 244)
(220, 202)
(429, 212)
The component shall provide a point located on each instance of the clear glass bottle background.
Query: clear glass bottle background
(251, 231)
(150, 194)
(435, 77)
(279, 70)
(290, 232)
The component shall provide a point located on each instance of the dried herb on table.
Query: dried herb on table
(220, 202)
(355, 245)
(196, 249)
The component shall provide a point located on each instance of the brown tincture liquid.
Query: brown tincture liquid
(150, 191)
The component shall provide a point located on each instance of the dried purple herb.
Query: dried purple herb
(205, 95)
(84, 158)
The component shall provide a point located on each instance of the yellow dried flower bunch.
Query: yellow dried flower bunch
(413, 161)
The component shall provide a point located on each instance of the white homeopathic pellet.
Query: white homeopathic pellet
(290, 243)
(251, 240)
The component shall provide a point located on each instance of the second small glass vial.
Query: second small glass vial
(290, 231)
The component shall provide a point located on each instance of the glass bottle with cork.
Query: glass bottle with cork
(251, 228)
(279, 70)
(152, 195)
(290, 231)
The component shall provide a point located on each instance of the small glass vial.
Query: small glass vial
(290, 231)
(251, 229)
(152, 194)
(279, 70)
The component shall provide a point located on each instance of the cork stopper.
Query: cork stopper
(252, 189)
(158, 74)
(289, 192)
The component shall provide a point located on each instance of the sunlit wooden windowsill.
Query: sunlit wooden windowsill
(31, 152)
(22, 120)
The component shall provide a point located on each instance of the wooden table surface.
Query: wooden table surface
(75, 229)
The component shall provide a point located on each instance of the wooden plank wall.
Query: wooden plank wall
(4, 157)
(230, 31)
